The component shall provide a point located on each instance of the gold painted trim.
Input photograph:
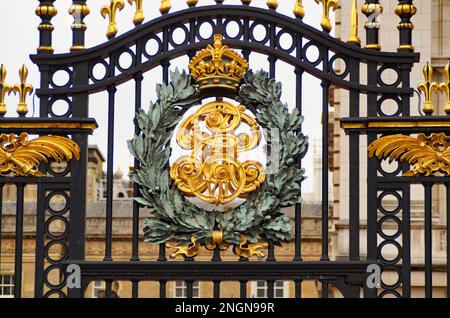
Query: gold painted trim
(165, 6)
(396, 124)
(45, 48)
(34, 125)
(77, 48)
(373, 46)
(272, 4)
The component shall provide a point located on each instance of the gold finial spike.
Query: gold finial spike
(5, 89)
(139, 14)
(272, 4)
(246, 2)
(111, 11)
(445, 87)
(165, 6)
(23, 89)
(191, 3)
(354, 25)
(427, 89)
(298, 9)
(327, 5)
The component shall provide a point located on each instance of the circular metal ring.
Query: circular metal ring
(64, 255)
(145, 42)
(252, 32)
(172, 32)
(69, 81)
(389, 218)
(46, 274)
(306, 47)
(66, 206)
(91, 70)
(53, 100)
(240, 26)
(293, 44)
(54, 218)
(396, 195)
(396, 259)
(133, 60)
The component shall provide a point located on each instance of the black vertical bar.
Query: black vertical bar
(298, 289)
(110, 174)
(46, 11)
(447, 187)
(372, 186)
(138, 102)
(354, 166)
(325, 203)
(216, 291)
(78, 175)
(406, 242)
(428, 240)
(162, 289)
(19, 241)
(40, 236)
(134, 289)
(270, 289)
(272, 73)
(165, 74)
(243, 289)
(325, 289)
(299, 104)
(108, 288)
(190, 288)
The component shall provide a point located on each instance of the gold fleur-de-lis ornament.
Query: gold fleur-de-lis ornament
(23, 89)
(139, 14)
(111, 11)
(5, 89)
(327, 5)
(445, 87)
(427, 88)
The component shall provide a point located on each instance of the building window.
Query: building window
(181, 289)
(98, 287)
(6, 286)
(260, 289)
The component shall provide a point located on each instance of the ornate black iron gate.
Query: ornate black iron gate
(348, 276)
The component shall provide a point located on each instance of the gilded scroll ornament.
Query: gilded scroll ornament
(327, 5)
(247, 250)
(139, 13)
(213, 172)
(427, 88)
(22, 157)
(218, 66)
(190, 250)
(111, 11)
(23, 89)
(427, 154)
(445, 87)
(5, 89)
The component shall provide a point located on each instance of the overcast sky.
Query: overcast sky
(19, 39)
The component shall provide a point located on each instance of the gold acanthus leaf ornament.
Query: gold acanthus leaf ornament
(428, 154)
(213, 172)
(22, 157)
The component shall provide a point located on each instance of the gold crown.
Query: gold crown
(218, 66)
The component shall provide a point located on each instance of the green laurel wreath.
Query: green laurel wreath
(260, 216)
